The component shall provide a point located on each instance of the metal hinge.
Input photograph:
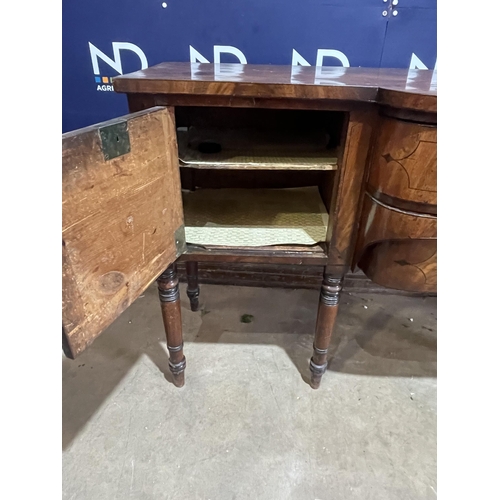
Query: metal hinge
(115, 140)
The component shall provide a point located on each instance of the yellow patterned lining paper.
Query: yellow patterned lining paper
(255, 217)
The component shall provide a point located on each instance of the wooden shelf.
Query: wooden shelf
(254, 218)
(252, 149)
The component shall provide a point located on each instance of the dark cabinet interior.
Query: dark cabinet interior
(271, 168)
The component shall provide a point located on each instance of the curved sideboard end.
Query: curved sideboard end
(397, 237)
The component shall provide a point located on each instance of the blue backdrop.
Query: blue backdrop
(102, 39)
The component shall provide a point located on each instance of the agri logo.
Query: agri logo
(102, 80)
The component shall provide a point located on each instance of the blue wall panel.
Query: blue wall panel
(411, 37)
(264, 32)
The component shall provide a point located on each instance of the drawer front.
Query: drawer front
(397, 249)
(409, 265)
(403, 166)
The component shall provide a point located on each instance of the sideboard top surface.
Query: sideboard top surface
(416, 89)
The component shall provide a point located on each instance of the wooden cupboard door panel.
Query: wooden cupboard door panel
(122, 218)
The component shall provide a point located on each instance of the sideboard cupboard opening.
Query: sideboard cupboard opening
(257, 177)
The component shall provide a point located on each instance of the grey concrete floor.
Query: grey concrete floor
(246, 425)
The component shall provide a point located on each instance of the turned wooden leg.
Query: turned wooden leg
(327, 312)
(193, 290)
(168, 287)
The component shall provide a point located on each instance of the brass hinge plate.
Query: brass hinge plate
(115, 140)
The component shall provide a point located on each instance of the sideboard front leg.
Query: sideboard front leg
(193, 290)
(325, 322)
(168, 287)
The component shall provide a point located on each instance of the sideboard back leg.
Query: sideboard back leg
(193, 290)
(325, 322)
(168, 287)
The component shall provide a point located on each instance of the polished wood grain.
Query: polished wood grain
(118, 221)
(403, 165)
(380, 222)
(325, 323)
(409, 265)
(407, 100)
(410, 115)
(412, 89)
(397, 248)
(348, 188)
(401, 203)
(168, 289)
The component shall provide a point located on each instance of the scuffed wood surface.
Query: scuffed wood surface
(119, 219)
(281, 276)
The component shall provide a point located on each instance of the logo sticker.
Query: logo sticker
(105, 83)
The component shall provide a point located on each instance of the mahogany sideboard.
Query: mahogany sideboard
(362, 142)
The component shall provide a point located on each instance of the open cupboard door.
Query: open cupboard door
(122, 218)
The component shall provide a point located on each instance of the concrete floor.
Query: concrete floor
(246, 425)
